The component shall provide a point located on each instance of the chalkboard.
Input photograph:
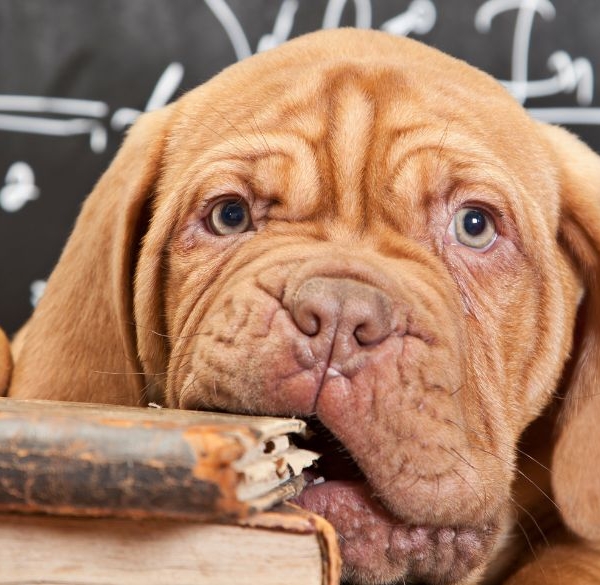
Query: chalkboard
(75, 73)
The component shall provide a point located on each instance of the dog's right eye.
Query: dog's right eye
(473, 227)
(229, 216)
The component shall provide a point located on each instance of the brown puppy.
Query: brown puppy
(5, 363)
(360, 230)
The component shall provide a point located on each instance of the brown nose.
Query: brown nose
(334, 307)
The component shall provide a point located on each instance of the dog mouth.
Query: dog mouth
(335, 462)
(376, 545)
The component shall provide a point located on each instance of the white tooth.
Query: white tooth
(319, 480)
(333, 373)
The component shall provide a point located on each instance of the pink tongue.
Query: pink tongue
(363, 525)
(341, 498)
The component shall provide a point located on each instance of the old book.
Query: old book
(69, 458)
(287, 545)
(101, 494)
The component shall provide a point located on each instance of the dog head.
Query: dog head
(362, 231)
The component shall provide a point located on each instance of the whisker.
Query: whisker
(164, 335)
(144, 394)
(531, 548)
(261, 134)
(454, 453)
(537, 561)
(440, 146)
(182, 355)
(455, 392)
(227, 154)
(113, 373)
(533, 459)
(482, 503)
(187, 386)
(526, 477)
(387, 485)
(234, 128)
(197, 120)
(516, 469)
(506, 444)
(214, 387)
(221, 136)
(534, 521)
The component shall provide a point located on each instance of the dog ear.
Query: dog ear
(576, 457)
(5, 363)
(80, 343)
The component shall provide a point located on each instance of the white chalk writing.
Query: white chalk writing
(569, 75)
(19, 187)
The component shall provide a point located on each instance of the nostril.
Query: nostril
(315, 307)
(308, 321)
(368, 334)
(377, 322)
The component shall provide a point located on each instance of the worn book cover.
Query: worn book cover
(75, 459)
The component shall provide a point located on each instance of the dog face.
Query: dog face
(357, 230)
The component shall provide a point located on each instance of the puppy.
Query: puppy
(359, 230)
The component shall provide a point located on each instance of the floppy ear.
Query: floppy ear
(80, 343)
(576, 458)
(5, 363)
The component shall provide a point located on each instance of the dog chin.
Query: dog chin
(379, 548)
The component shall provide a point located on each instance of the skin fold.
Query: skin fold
(359, 230)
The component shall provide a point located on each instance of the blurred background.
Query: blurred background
(75, 73)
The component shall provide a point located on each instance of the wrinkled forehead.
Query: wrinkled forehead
(340, 130)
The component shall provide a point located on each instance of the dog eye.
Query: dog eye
(474, 228)
(229, 216)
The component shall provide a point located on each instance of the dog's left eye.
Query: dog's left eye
(474, 228)
(229, 216)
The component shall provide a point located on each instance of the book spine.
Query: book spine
(105, 468)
